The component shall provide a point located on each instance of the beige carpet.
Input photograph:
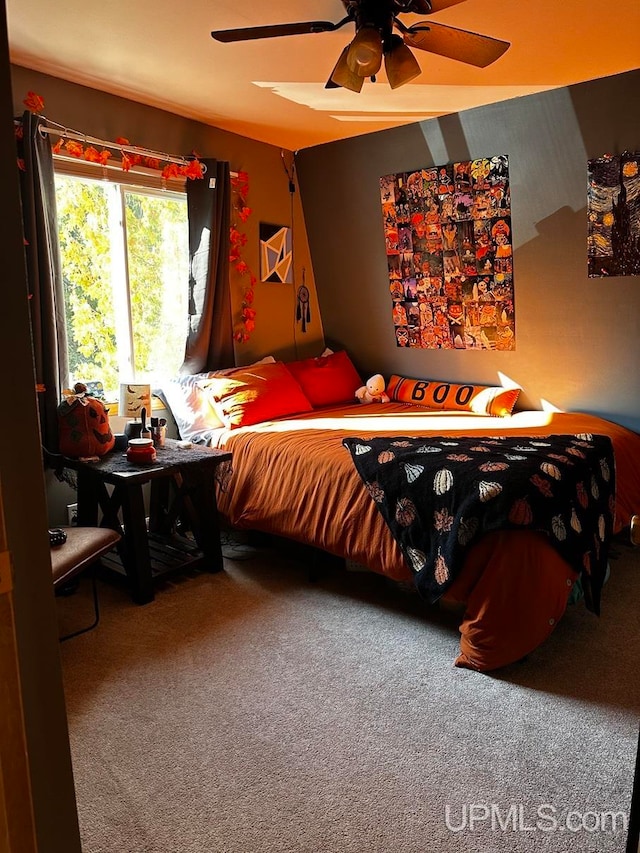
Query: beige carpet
(255, 711)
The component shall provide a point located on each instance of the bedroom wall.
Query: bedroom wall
(108, 117)
(578, 341)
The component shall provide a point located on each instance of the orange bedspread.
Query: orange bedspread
(292, 477)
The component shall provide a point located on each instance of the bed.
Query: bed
(294, 476)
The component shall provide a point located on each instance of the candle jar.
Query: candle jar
(141, 451)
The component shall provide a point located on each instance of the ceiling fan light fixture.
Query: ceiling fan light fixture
(343, 76)
(400, 64)
(364, 54)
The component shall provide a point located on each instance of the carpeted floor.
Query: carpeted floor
(260, 711)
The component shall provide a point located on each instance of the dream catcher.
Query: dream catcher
(303, 312)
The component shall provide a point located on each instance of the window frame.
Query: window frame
(137, 179)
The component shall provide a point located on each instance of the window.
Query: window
(125, 268)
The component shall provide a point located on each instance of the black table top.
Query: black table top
(172, 457)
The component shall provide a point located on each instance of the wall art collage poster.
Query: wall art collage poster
(613, 215)
(448, 240)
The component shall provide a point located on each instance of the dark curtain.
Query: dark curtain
(210, 340)
(44, 274)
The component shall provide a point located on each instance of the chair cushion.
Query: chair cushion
(84, 546)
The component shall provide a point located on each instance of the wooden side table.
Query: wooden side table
(182, 488)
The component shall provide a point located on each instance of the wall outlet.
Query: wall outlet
(72, 515)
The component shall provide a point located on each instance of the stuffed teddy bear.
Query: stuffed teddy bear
(373, 391)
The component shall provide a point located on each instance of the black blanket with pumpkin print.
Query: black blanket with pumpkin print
(439, 495)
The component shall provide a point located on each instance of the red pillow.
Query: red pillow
(327, 380)
(254, 394)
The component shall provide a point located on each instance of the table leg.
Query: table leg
(87, 499)
(202, 508)
(136, 560)
(158, 506)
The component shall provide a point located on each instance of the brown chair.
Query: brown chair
(81, 551)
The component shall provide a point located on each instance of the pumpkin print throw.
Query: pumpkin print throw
(439, 495)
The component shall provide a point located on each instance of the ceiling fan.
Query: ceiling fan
(375, 40)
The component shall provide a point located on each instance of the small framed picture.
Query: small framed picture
(276, 256)
(133, 398)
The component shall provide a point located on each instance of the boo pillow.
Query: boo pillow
(480, 399)
(254, 394)
(328, 380)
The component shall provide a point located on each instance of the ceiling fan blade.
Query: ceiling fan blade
(425, 7)
(274, 30)
(463, 45)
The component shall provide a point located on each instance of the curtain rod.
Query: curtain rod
(66, 133)
(60, 130)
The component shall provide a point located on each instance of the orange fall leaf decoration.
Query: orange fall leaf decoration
(34, 103)
(192, 170)
(238, 239)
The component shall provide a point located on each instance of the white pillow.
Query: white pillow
(194, 415)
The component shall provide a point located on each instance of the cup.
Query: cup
(159, 434)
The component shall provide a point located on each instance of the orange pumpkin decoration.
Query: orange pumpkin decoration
(583, 498)
(493, 466)
(520, 512)
(83, 425)
(405, 512)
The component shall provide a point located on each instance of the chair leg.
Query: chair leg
(633, 837)
(96, 609)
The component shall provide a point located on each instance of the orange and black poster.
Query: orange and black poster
(447, 232)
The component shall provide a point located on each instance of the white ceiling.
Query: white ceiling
(162, 54)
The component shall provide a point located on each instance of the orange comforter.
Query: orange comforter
(292, 477)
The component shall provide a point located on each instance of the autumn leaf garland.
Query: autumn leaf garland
(237, 240)
(192, 170)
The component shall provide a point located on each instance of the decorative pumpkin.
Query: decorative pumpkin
(467, 530)
(83, 424)
(405, 512)
(583, 497)
(412, 471)
(493, 466)
(551, 470)
(418, 559)
(488, 490)
(559, 530)
(575, 521)
(442, 481)
(361, 448)
(602, 528)
(520, 512)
